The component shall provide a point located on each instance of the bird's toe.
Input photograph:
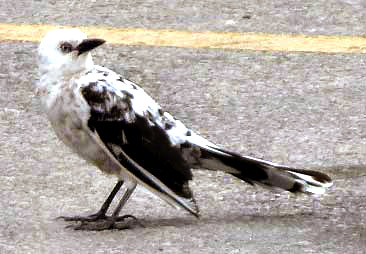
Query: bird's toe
(108, 223)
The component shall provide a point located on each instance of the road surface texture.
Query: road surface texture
(305, 110)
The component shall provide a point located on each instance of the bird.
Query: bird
(115, 125)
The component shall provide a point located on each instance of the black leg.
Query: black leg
(111, 222)
(123, 200)
(101, 214)
(103, 210)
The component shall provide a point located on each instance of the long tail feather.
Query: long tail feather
(256, 171)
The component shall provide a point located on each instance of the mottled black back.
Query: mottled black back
(148, 145)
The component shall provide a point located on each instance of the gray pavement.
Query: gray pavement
(281, 16)
(304, 110)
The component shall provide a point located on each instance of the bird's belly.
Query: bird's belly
(75, 133)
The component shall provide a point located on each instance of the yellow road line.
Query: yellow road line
(184, 39)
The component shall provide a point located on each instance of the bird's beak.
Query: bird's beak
(88, 44)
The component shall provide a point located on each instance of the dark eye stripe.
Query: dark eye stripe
(66, 47)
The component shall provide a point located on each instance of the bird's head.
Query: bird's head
(66, 51)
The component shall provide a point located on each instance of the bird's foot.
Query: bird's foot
(106, 223)
(90, 218)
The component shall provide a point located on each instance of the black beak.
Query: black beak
(88, 44)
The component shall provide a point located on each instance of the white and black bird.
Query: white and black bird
(112, 123)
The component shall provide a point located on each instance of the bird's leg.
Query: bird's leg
(101, 214)
(115, 216)
(114, 221)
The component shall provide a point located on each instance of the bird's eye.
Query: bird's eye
(66, 47)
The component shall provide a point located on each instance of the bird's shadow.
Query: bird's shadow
(223, 219)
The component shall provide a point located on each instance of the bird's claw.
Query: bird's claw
(100, 225)
(89, 218)
(90, 223)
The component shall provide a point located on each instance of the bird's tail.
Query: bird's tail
(256, 171)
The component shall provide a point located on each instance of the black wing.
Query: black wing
(146, 143)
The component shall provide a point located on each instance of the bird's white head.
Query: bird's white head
(66, 52)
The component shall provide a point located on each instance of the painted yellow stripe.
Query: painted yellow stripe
(184, 39)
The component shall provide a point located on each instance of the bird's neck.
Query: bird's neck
(52, 75)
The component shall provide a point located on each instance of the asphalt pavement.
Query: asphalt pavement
(301, 109)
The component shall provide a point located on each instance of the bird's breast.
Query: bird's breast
(68, 115)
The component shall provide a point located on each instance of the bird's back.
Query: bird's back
(127, 119)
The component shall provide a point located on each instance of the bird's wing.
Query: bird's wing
(132, 128)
